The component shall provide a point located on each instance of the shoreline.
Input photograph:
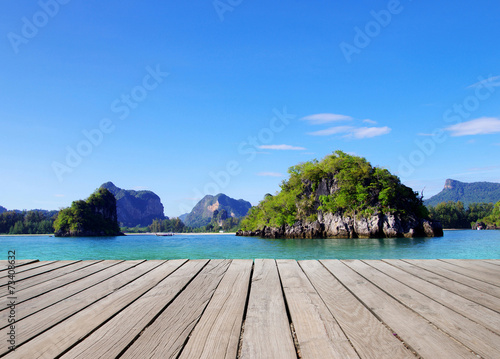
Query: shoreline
(179, 234)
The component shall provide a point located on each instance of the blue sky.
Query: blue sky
(201, 97)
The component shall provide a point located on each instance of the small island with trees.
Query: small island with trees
(341, 196)
(93, 217)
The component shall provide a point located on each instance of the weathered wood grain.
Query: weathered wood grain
(218, 332)
(413, 329)
(166, 336)
(370, 337)
(267, 333)
(116, 335)
(318, 333)
(69, 332)
(458, 288)
(469, 333)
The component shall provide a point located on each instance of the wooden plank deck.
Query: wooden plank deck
(253, 309)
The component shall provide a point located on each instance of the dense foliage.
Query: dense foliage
(27, 222)
(493, 219)
(360, 190)
(455, 215)
(467, 193)
(173, 225)
(95, 216)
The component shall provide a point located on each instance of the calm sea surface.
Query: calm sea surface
(455, 244)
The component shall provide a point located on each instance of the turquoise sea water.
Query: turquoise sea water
(466, 244)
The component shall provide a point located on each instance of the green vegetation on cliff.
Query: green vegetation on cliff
(493, 219)
(455, 215)
(340, 183)
(467, 193)
(94, 217)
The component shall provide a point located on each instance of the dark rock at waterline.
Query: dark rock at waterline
(331, 225)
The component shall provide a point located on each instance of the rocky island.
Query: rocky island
(93, 217)
(341, 196)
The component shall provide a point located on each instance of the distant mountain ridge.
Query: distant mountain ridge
(136, 208)
(202, 213)
(474, 192)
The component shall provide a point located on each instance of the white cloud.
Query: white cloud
(371, 122)
(281, 147)
(270, 174)
(332, 131)
(493, 81)
(369, 132)
(479, 126)
(353, 132)
(322, 118)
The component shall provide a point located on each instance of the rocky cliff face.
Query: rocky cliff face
(203, 212)
(337, 225)
(331, 225)
(136, 207)
(474, 192)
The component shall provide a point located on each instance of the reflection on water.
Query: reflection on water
(454, 244)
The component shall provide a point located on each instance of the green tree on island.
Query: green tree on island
(361, 190)
(95, 216)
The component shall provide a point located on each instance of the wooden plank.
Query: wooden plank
(318, 333)
(475, 336)
(267, 332)
(41, 270)
(476, 312)
(57, 339)
(473, 271)
(426, 340)
(4, 263)
(475, 265)
(443, 269)
(218, 332)
(492, 261)
(33, 305)
(166, 336)
(114, 336)
(49, 285)
(463, 290)
(40, 280)
(368, 335)
(24, 268)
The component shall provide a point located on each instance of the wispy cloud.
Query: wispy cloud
(370, 122)
(332, 131)
(369, 132)
(282, 147)
(58, 195)
(270, 174)
(353, 132)
(321, 118)
(479, 126)
(491, 81)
